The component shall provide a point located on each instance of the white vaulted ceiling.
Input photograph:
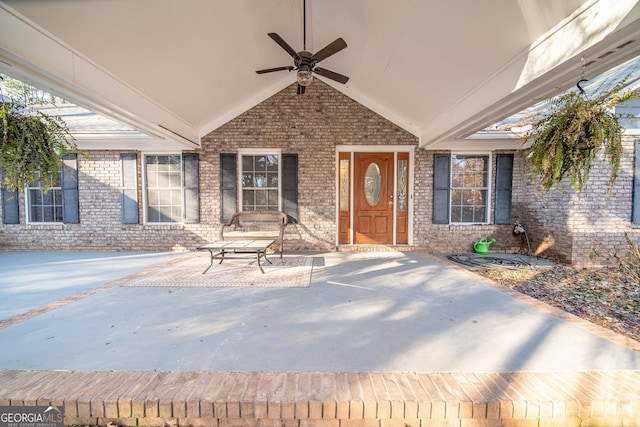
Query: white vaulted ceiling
(439, 69)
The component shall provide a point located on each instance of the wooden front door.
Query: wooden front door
(373, 198)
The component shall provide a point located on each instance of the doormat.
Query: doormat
(288, 272)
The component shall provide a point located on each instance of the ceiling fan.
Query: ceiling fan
(305, 62)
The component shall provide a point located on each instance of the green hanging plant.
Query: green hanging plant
(32, 147)
(566, 141)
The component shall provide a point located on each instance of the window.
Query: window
(163, 188)
(260, 180)
(469, 188)
(60, 204)
(402, 184)
(45, 206)
(238, 169)
(344, 183)
(171, 188)
(461, 188)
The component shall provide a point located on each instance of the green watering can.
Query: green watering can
(482, 246)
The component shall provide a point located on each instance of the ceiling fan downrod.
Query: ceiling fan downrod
(305, 62)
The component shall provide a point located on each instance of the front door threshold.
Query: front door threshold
(374, 248)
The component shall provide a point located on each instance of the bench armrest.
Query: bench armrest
(233, 222)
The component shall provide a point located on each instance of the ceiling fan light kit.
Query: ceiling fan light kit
(305, 62)
(304, 77)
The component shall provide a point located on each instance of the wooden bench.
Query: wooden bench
(252, 225)
(249, 232)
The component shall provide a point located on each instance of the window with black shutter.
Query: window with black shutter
(129, 188)
(60, 203)
(268, 181)
(190, 176)
(461, 186)
(290, 187)
(441, 187)
(504, 184)
(10, 205)
(228, 187)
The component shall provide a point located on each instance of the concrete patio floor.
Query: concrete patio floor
(363, 312)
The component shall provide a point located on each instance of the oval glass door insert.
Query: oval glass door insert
(372, 184)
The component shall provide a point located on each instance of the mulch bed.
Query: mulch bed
(602, 296)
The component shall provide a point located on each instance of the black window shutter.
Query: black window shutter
(228, 187)
(69, 184)
(190, 176)
(10, 205)
(129, 204)
(504, 184)
(290, 187)
(441, 184)
(635, 211)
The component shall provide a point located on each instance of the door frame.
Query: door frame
(395, 149)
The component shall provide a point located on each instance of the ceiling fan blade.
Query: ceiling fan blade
(334, 47)
(270, 70)
(283, 44)
(331, 75)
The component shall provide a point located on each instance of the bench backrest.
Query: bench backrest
(259, 218)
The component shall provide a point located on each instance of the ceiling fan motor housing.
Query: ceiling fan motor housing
(305, 61)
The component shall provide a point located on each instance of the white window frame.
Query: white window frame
(258, 152)
(489, 155)
(145, 209)
(27, 202)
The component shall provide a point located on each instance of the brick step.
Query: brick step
(349, 399)
(375, 248)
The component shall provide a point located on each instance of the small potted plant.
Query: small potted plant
(566, 140)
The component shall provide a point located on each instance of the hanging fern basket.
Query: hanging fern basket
(32, 146)
(566, 142)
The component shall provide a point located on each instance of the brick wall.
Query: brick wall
(581, 228)
(543, 215)
(311, 126)
(561, 225)
(100, 226)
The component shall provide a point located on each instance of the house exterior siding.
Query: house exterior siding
(561, 225)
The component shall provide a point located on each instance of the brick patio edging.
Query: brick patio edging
(324, 399)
